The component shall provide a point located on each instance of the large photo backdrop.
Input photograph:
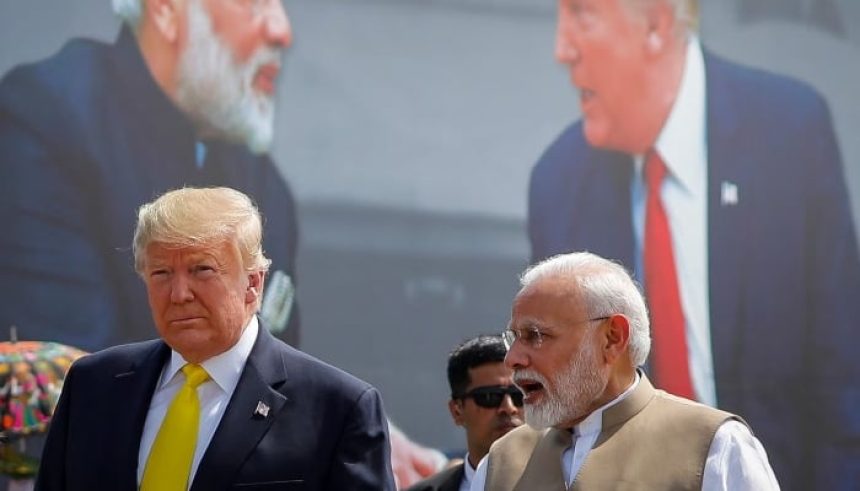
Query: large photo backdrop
(408, 130)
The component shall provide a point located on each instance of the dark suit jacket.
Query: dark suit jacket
(326, 430)
(783, 262)
(445, 480)
(86, 137)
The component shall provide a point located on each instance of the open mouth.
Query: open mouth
(266, 78)
(586, 95)
(532, 390)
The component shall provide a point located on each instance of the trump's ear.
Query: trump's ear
(662, 26)
(255, 286)
(165, 16)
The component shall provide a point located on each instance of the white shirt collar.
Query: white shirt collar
(683, 140)
(593, 424)
(468, 470)
(225, 368)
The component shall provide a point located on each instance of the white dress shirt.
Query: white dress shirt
(214, 394)
(736, 459)
(468, 474)
(683, 146)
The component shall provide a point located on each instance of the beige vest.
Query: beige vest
(651, 440)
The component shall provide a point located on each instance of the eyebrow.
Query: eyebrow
(531, 323)
(192, 259)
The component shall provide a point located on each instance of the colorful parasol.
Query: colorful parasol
(31, 378)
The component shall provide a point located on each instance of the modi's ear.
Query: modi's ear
(165, 17)
(617, 337)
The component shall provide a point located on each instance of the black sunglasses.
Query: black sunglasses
(491, 396)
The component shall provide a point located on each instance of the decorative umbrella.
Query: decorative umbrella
(31, 378)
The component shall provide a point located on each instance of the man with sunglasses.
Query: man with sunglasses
(579, 331)
(484, 402)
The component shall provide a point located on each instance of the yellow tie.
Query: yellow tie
(169, 463)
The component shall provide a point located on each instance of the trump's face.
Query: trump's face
(604, 44)
(201, 297)
(229, 67)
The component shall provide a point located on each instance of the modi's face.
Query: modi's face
(559, 370)
(229, 67)
(568, 394)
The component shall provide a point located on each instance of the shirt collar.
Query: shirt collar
(225, 368)
(200, 153)
(593, 424)
(468, 470)
(682, 143)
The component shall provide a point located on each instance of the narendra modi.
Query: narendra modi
(578, 335)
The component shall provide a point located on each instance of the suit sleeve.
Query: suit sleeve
(52, 468)
(363, 456)
(52, 275)
(833, 269)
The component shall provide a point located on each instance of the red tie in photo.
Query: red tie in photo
(669, 360)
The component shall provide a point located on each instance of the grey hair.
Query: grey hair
(193, 217)
(606, 288)
(129, 11)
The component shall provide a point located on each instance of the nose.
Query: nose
(565, 49)
(277, 25)
(516, 357)
(180, 289)
(507, 406)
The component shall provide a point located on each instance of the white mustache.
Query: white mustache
(528, 374)
(266, 55)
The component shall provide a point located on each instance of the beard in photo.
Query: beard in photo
(217, 92)
(571, 393)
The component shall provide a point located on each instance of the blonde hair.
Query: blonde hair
(686, 12)
(190, 217)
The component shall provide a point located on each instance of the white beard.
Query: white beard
(217, 93)
(572, 392)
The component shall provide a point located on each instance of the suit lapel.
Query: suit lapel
(242, 425)
(603, 208)
(133, 389)
(543, 470)
(454, 484)
(730, 194)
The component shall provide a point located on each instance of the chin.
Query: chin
(597, 135)
(603, 138)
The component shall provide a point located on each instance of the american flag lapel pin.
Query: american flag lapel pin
(262, 410)
(728, 193)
